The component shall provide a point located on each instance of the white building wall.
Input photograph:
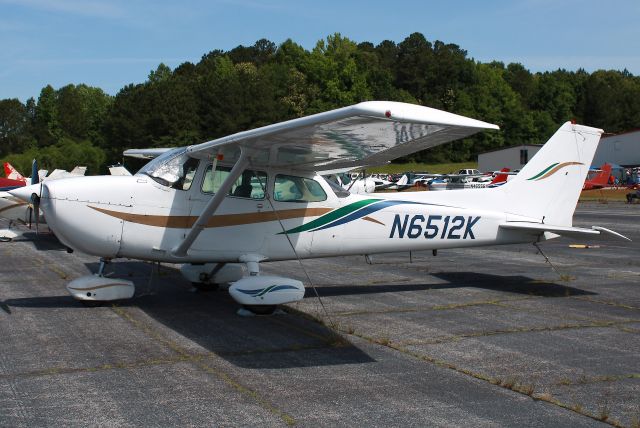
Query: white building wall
(621, 149)
(505, 158)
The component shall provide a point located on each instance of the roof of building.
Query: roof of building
(631, 131)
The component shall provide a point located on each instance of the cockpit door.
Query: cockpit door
(236, 226)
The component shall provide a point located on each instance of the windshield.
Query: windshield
(173, 169)
(337, 189)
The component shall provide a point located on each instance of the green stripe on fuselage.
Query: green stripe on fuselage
(331, 216)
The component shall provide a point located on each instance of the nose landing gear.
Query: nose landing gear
(99, 288)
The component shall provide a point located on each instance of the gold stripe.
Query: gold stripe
(186, 222)
(97, 287)
(372, 220)
(557, 167)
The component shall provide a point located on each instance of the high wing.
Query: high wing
(365, 134)
(369, 133)
(146, 153)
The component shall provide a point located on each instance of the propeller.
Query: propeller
(35, 208)
(35, 198)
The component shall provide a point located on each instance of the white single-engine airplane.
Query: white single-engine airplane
(257, 196)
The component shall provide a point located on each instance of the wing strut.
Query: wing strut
(212, 206)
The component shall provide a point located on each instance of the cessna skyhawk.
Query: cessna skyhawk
(258, 196)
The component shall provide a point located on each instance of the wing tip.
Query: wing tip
(400, 111)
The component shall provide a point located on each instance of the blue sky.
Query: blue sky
(112, 43)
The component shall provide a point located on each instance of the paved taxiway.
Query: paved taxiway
(471, 337)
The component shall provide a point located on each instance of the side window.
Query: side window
(289, 188)
(249, 185)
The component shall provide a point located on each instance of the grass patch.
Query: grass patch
(603, 415)
(604, 196)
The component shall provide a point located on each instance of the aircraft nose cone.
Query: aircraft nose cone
(69, 205)
(25, 192)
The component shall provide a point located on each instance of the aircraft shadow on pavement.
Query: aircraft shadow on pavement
(510, 284)
(209, 319)
(42, 241)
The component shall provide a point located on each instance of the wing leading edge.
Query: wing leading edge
(369, 133)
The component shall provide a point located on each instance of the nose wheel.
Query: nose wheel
(205, 287)
(92, 289)
(249, 310)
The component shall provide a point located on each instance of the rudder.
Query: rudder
(548, 187)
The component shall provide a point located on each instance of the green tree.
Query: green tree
(82, 112)
(333, 70)
(47, 129)
(15, 127)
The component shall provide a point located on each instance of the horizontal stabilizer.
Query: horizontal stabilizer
(568, 231)
(610, 232)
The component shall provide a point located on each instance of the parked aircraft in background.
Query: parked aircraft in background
(350, 182)
(414, 179)
(467, 180)
(500, 177)
(198, 205)
(118, 170)
(18, 210)
(13, 178)
(598, 179)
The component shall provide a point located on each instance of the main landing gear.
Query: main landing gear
(260, 295)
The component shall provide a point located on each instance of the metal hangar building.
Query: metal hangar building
(514, 157)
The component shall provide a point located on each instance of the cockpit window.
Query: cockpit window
(174, 169)
(297, 189)
(250, 184)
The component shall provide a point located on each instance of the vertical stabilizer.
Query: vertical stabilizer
(549, 186)
(12, 174)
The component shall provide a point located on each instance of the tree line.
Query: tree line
(252, 86)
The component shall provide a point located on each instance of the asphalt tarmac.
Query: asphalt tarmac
(482, 337)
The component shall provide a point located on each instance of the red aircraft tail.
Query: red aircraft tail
(500, 179)
(599, 180)
(12, 174)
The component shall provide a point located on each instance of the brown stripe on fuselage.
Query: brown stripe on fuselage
(558, 167)
(372, 220)
(185, 222)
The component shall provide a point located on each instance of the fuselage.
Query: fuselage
(140, 217)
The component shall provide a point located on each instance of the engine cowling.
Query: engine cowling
(266, 290)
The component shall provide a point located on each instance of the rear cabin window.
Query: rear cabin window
(289, 188)
(249, 185)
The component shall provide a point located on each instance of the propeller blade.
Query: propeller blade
(34, 172)
(35, 206)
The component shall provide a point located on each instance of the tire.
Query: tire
(261, 309)
(205, 287)
(91, 303)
